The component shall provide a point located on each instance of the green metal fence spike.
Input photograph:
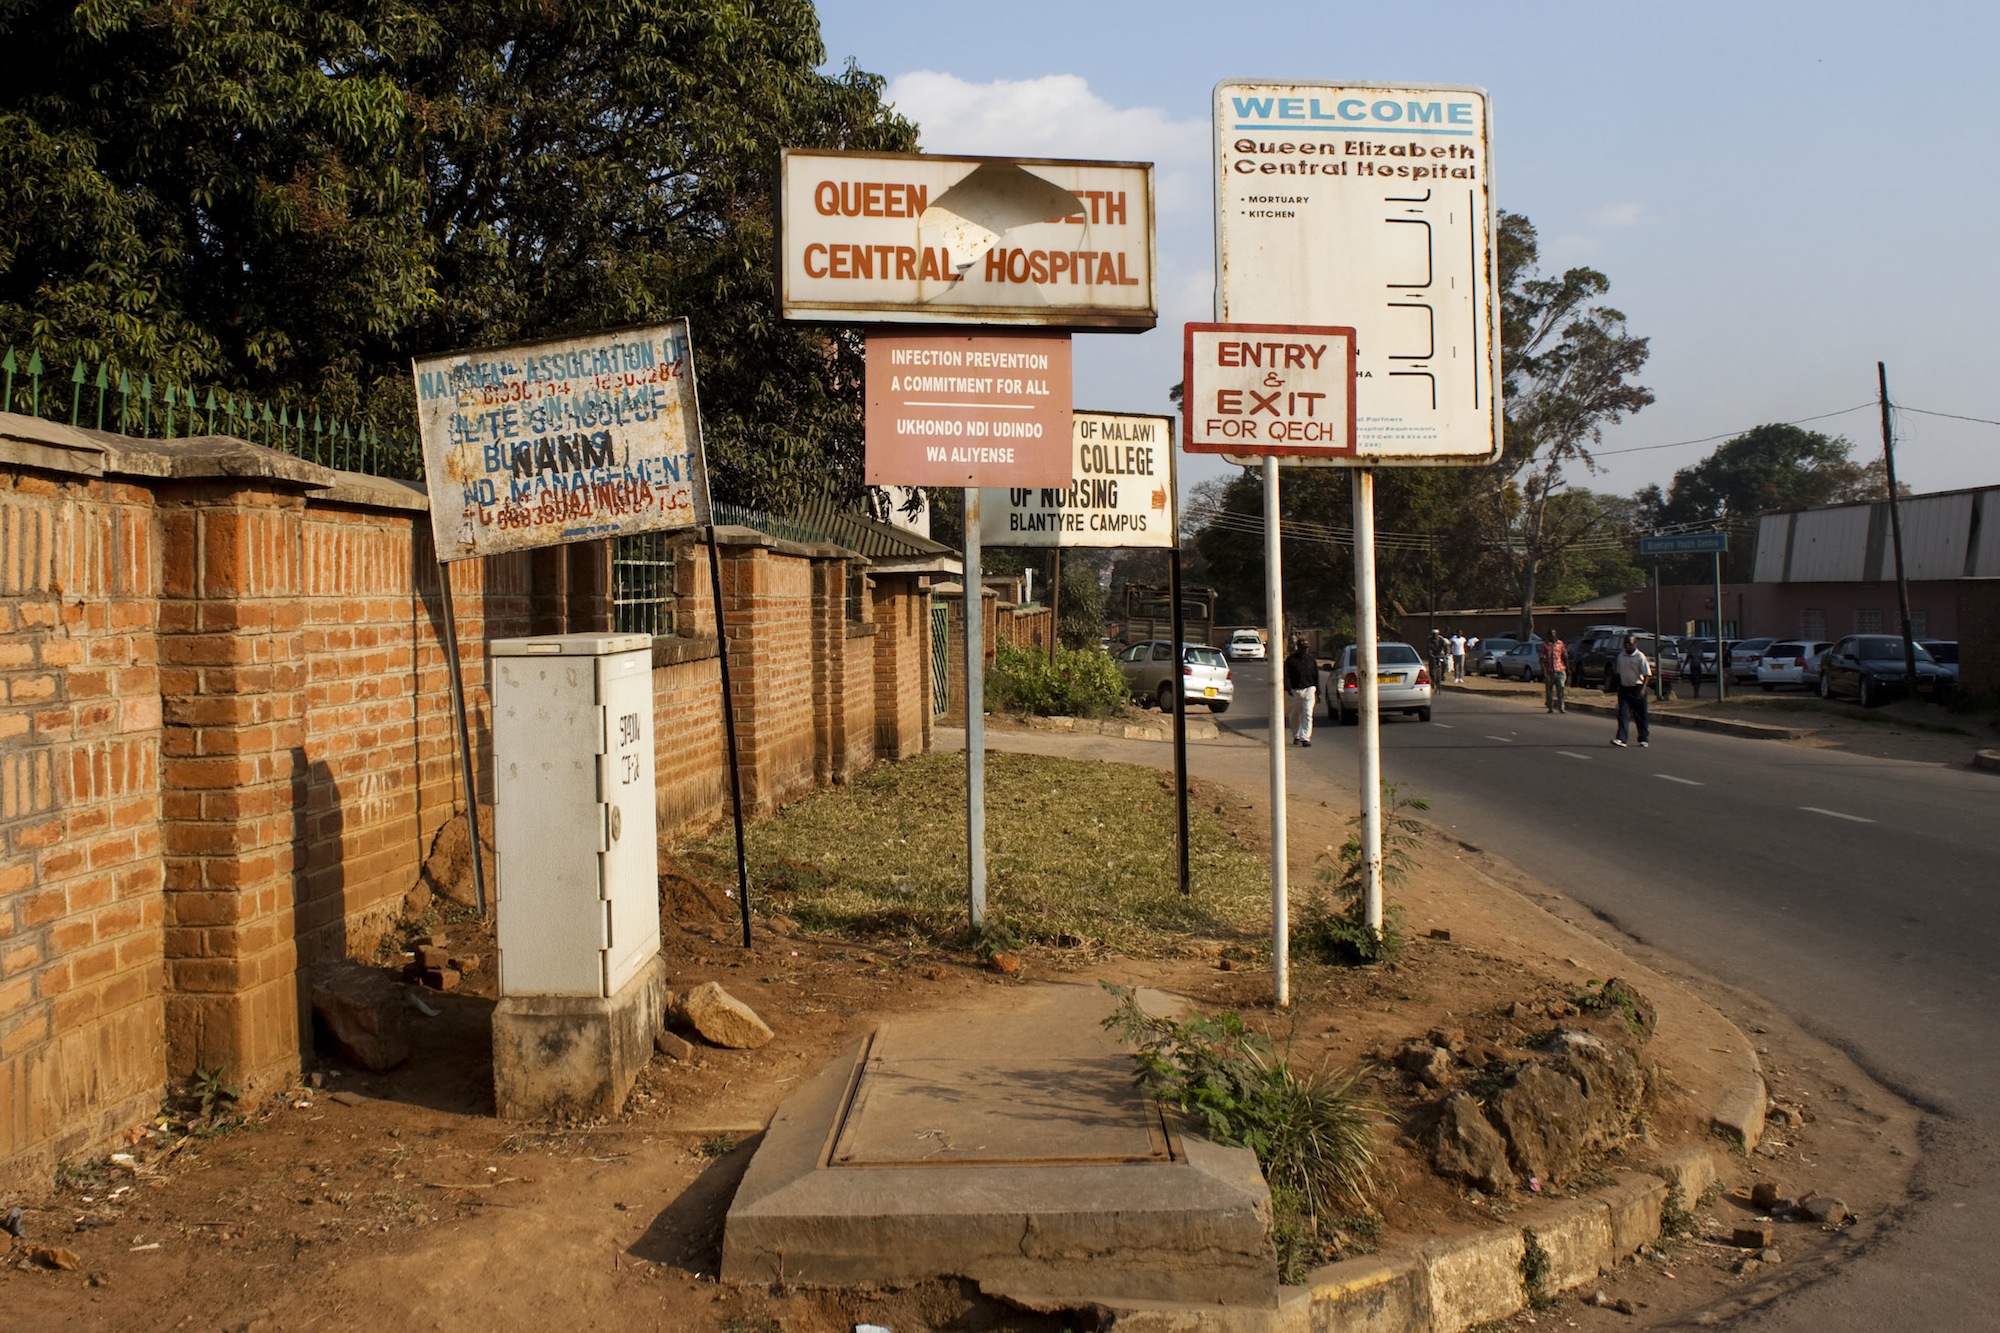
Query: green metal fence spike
(173, 401)
(76, 394)
(103, 383)
(146, 401)
(268, 420)
(7, 405)
(194, 408)
(35, 380)
(211, 409)
(124, 403)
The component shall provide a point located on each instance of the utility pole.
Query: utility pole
(1896, 534)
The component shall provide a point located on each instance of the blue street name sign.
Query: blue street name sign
(1687, 543)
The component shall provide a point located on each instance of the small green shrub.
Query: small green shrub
(1332, 923)
(1080, 682)
(1313, 1133)
(1536, 1268)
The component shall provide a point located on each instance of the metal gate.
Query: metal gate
(940, 659)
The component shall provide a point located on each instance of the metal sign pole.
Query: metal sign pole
(1274, 614)
(729, 737)
(1721, 654)
(1180, 720)
(1659, 680)
(1896, 534)
(975, 719)
(1371, 713)
(465, 768)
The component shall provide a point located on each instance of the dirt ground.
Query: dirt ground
(398, 1196)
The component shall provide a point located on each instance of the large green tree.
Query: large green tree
(1567, 367)
(296, 198)
(1770, 469)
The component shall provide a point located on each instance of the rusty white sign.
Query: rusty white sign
(1370, 206)
(1256, 390)
(915, 238)
(562, 441)
(1120, 493)
(968, 410)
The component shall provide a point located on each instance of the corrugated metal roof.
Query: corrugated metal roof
(1773, 541)
(1830, 545)
(859, 533)
(1986, 545)
(1935, 531)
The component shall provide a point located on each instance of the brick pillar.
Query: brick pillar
(829, 675)
(232, 677)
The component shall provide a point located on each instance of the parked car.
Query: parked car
(1244, 643)
(1744, 655)
(1598, 651)
(1870, 668)
(1402, 683)
(1784, 662)
(1485, 659)
(1945, 653)
(1150, 671)
(1521, 662)
(1593, 636)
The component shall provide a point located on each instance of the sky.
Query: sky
(1780, 194)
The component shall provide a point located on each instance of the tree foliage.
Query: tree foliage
(298, 198)
(1769, 469)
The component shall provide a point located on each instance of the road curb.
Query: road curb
(1762, 731)
(1449, 1284)
(1987, 759)
(1146, 728)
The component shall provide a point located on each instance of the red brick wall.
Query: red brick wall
(226, 742)
(80, 867)
(1978, 615)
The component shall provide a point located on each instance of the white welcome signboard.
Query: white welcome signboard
(1370, 207)
(563, 441)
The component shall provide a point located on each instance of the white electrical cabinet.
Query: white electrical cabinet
(574, 821)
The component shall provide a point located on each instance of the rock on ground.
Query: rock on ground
(1543, 1116)
(722, 1019)
(1613, 1084)
(360, 1008)
(1463, 1145)
(448, 868)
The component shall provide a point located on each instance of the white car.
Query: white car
(1245, 643)
(1787, 661)
(1150, 671)
(1402, 683)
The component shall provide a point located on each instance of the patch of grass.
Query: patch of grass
(1078, 854)
(1313, 1133)
(716, 1145)
(1333, 924)
(1536, 1267)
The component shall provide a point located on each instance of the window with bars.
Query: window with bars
(1812, 623)
(642, 584)
(1868, 621)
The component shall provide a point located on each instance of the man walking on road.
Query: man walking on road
(1633, 672)
(1457, 656)
(1301, 688)
(1555, 675)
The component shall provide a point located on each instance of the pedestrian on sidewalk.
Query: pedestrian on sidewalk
(1555, 675)
(1301, 689)
(1457, 656)
(1633, 671)
(1694, 669)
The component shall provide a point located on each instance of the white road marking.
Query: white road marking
(1508, 740)
(1574, 755)
(1446, 725)
(1685, 782)
(1835, 814)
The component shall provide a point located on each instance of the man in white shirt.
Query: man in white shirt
(1634, 671)
(1457, 656)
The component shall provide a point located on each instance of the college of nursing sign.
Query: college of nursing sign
(563, 441)
(1257, 390)
(1370, 206)
(968, 410)
(1120, 493)
(914, 238)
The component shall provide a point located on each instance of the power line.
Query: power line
(1949, 416)
(1732, 434)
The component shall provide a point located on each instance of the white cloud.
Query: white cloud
(1618, 215)
(1056, 115)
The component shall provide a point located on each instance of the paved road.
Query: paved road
(1860, 895)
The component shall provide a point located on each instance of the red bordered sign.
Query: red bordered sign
(1259, 390)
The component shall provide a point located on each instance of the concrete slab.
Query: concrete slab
(573, 1057)
(1009, 1148)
